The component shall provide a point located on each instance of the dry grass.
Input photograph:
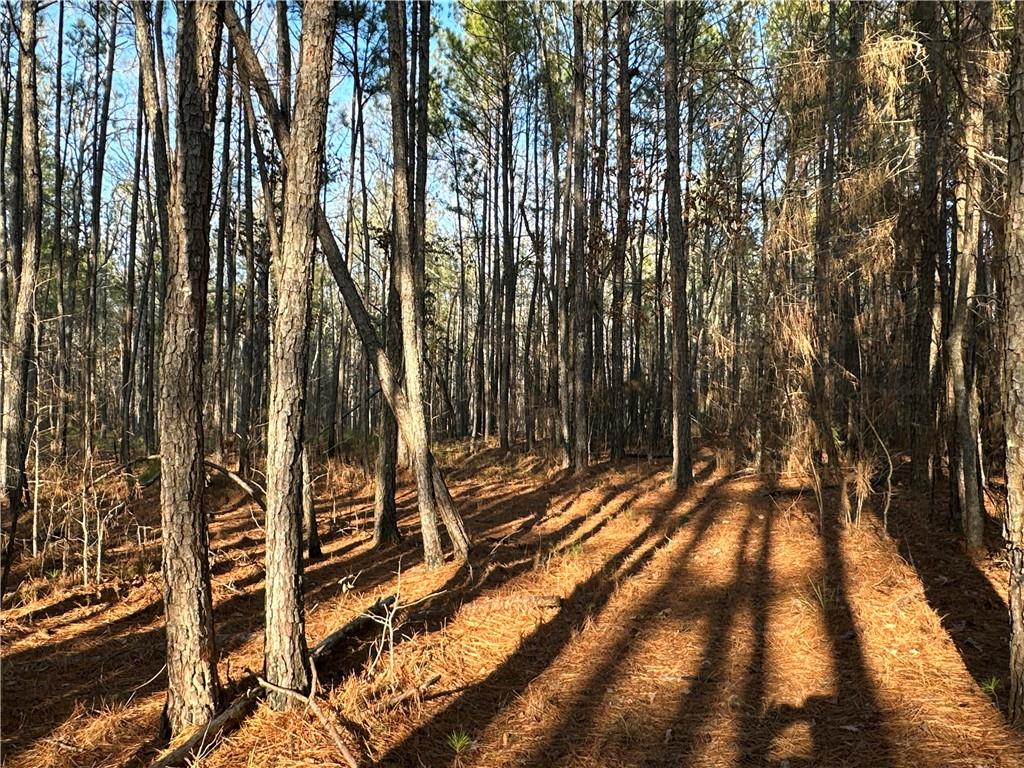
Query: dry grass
(604, 621)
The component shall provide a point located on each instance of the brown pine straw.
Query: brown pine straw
(604, 621)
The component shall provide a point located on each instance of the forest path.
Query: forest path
(606, 620)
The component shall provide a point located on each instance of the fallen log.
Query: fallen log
(206, 735)
(232, 717)
(370, 616)
(250, 489)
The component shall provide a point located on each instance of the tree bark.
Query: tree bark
(581, 329)
(624, 162)
(220, 373)
(932, 245)
(18, 357)
(192, 692)
(974, 43)
(1013, 374)
(385, 513)
(127, 358)
(285, 656)
(314, 550)
(60, 441)
(682, 471)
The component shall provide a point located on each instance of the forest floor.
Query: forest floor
(604, 620)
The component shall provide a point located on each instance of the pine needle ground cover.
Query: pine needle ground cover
(602, 620)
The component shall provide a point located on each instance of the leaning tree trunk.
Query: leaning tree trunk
(1013, 373)
(393, 392)
(285, 656)
(405, 282)
(14, 444)
(192, 690)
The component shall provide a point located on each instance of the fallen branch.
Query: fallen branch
(250, 489)
(310, 701)
(416, 690)
(205, 735)
(123, 468)
(356, 625)
(232, 717)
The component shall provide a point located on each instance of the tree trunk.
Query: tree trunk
(932, 246)
(508, 259)
(192, 691)
(581, 330)
(682, 471)
(313, 547)
(624, 162)
(127, 359)
(60, 440)
(385, 514)
(405, 282)
(974, 44)
(14, 447)
(1013, 374)
(220, 373)
(284, 657)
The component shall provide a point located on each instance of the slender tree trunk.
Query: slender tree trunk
(285, 657)
(581, 427)
(682, 471)
(974, 44)
(127, 359)
(932, 245)
(508, 259)
(597, 245)
(192, 692)
(385, 513)
(63, 341)
(18, 355)
(250, 350)
(90, 399)
(220, 371)
(624, 169)
(314, 550)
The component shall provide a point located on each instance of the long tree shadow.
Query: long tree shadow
(856, 688)
(117, 661)
(971, 610)
(695, 707)
(477, 706)
(717, 605)
(518, 558)
(847, 727)
(503, 565)
(754, 742)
